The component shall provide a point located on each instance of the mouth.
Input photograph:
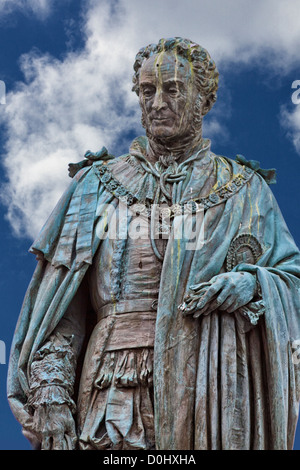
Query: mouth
(160, 119)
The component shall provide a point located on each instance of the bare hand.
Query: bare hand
(55, 427)
(226, 292)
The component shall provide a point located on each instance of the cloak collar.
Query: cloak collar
(203, 180)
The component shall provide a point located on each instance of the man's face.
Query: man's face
(167, 95)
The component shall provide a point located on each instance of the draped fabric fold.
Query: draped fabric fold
(52, 288)
(215, 385)
(124, 416)
(235, 390)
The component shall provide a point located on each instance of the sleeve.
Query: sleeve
(53, 370)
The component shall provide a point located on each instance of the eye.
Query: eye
(148, 91)
(173, 91)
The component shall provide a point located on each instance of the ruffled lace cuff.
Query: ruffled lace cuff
(249, 314)
(254, 309)
(51, 395)
(52, 373)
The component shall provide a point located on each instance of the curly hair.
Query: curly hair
(206, 73)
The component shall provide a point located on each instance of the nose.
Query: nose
(159, 102)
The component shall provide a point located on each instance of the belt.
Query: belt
(134, 326)
(127, 306)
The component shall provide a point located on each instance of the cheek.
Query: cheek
(178, 105)
(145, 105)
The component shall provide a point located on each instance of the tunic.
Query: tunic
(124, 278)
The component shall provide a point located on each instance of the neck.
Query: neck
(181, 149)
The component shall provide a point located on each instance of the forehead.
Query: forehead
(165, 66)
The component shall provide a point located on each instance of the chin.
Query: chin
(163, 133)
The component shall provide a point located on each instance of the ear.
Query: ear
(208, 104)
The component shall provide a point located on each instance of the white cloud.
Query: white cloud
(40, 8)
(84, 101)
(234, 30)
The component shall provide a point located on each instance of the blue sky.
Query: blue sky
(67, 66)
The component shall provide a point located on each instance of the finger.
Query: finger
(200, 313)
(189, 300)
(198, 300)
(211, 301)
(203, 311)
(66, 444)
(218, 302)
(187, 309)
(70, 442)
(209, 294)
(71, 435)
(58, 442)
(227, 305)
(206, 310)
(46, 443)
(233, 307)
(197, 287)
(205, 285)
(209, 308)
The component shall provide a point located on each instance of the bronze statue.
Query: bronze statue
(164, 305)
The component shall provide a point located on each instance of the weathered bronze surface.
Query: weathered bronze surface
(164, 307)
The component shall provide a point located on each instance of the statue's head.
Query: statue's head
(176, 81)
